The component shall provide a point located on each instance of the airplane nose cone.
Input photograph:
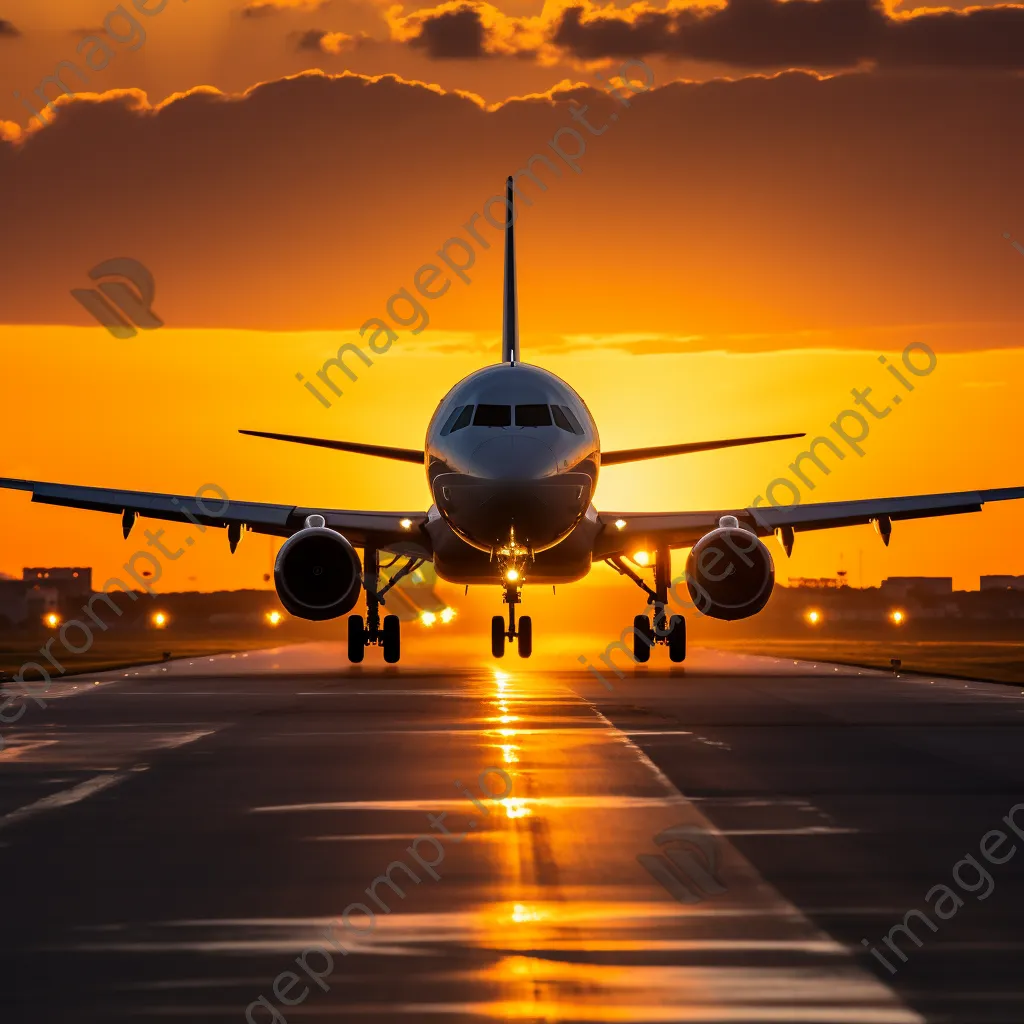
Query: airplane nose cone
(513, 457)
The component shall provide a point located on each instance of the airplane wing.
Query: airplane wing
(616, 458)
(626, 532)
(387, 530)
(378, 450)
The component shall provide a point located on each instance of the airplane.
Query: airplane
(512, 455)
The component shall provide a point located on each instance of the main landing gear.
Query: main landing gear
(386, 634)
(512, 558)
(661, 628)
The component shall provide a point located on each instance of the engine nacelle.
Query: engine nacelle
(317, 573)
(730, 573)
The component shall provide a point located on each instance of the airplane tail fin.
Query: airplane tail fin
(510, 311)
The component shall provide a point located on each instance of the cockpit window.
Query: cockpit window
(560, 419)
(574, 424)
(533, 416)
(449, 424)
(464, 417)
(493, 416)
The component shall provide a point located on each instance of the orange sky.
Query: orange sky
(732, 258)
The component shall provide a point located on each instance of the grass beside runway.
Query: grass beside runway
(121, 652)
(1000, 661)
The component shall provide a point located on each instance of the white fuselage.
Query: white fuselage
(512, 452)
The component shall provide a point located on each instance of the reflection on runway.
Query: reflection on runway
(186, 889)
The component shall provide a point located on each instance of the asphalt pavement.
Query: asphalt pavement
(279, 836)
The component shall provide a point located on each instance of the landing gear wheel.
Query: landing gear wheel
(356, 642)
(525, 636)
(643, 639)
(498, 636)
(392, 639)
(677, 639)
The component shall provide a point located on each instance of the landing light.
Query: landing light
(447, 614)
(512, 575)
(620, 524)
(813, 616)
(515, 807)
(897, 617)
(428, 618)
(274, 618)
(52, 620)
(405, 523)
(159, 620)
(522, 913)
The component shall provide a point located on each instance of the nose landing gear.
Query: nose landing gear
(523, 635)
(512, 558)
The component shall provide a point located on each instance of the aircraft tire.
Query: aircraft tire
(643, 639)
(525, 637)
(677, 639)
(392, 630)
(356, 642)
(498, 636)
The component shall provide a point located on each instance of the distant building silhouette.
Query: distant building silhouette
(1002, 582)
(44, 589)
(65, 591)
(902, 587)
(816, 582)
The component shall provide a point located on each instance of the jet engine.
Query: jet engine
(317, 572)
(729, 572)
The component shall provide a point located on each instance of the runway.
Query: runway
(205, 841)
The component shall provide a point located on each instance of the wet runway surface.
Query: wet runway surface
(275, 837)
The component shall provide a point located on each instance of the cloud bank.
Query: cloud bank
(763, 209)
(761, 34)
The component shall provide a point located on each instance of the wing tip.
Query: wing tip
(12, 484)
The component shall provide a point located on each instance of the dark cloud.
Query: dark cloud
(766, 207)
(981, 37)
(310, 39)
(466, 30)
(452, 35)
(817, 34)
(7, 30)
(264, 8)
(755, 33)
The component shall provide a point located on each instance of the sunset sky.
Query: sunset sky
(805, 186)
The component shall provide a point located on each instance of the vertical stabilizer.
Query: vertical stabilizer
(510, 311)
